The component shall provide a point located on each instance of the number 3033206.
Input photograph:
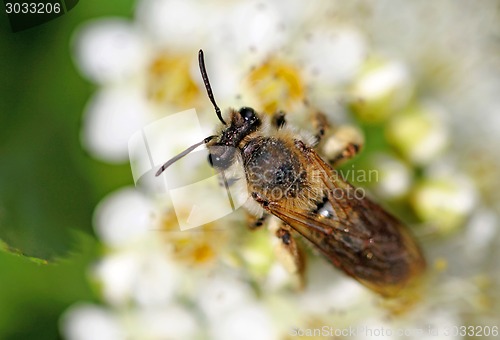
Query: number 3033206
(32, 8)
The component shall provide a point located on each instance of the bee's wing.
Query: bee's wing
(361, 238)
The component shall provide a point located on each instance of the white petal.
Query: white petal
(250, 321)
(174, 23)
(90, 322)
(328, 291)
(254, 27)
(143, 275)
(278, 277)
(117, 273)
(172, 322)
(110, 119)
(122, 217)
(482, 231)
(445, 201)
(157, 280)
(221, 294)
(109, 50)
(393, 177)
(383, 80)
(298, 13)
(334, 56)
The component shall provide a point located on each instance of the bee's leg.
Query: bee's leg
(289, 253)
(278, 120)
(254, 222)
(343, 145)
(336, 145)
(321, 126)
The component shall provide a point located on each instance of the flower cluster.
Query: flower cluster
(222, 281)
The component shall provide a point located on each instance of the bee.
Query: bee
(287, 178)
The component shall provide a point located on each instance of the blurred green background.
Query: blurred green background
(48, 184)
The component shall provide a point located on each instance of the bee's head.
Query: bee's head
(242, 123)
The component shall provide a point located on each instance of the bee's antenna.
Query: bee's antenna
(182, 154)
(204, 75)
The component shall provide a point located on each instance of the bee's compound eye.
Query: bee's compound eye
(247, 113)
(215, 160)
(221, 157)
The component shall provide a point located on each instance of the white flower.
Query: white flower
(143, 276)
(418, 133)
(109, 51)
(219, 296)
(381, 90)
(123, 217)
(111, 117)
(444, 201)
(90, 322)
(394, 177)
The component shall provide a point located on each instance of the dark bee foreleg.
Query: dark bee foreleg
(278, 120)
(321, 126)
(289, 253)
